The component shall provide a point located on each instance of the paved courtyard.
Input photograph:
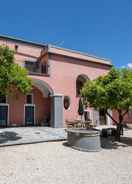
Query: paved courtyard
(25, 135)
(56, 163)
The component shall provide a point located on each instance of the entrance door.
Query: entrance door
(29, 115)
(102, 116)
(3, 115)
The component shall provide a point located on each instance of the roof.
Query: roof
(78, 55)
(62, 51)
(22, 41)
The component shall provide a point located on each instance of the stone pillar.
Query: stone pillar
(57, 111)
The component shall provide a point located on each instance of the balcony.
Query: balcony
(37, 68)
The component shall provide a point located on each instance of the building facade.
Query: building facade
(57, 75)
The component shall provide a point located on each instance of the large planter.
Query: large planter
(84, 140)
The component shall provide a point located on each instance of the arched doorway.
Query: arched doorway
(56, 104)
(31, 109)
(43, 86)
(42, 102)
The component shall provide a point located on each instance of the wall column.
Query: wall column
(57, 111)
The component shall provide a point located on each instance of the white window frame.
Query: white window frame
(6, 104)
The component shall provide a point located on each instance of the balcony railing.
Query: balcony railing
(37, 68)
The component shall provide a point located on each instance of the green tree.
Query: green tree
(12, 76)
(112, 91)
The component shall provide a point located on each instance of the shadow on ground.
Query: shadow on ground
(110, 143)
(65, 144)
(8, 136)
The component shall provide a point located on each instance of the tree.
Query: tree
(112, 91)
(80, 108)
(12, 76)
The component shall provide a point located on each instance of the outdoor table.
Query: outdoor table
(88, 124)
(80, 124)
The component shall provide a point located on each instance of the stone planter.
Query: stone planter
(84, 140)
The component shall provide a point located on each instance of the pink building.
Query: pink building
(57, 75)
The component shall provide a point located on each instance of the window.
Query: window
(81, 79)
(29, 99)
(44, 68)
(31, 66)
(66, 102)
(35, 67)
(2, 99)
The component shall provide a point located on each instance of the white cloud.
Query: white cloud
(129, 65)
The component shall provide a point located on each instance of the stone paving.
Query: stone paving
(56, 163)
(26, 135)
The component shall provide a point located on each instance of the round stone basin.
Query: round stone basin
(84, 140)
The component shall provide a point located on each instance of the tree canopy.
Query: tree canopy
(11, 74)
(112, 91)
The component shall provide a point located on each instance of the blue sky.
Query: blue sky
(98, 27)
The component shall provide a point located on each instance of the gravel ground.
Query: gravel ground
(56, 163)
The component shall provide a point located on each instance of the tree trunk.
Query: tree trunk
(111, 117)
(119, 130)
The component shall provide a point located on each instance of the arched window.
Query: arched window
(81, 79)
(66, 102)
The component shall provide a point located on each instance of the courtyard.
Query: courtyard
(55, 162)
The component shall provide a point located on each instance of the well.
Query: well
(84, 140)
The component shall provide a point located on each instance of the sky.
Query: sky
(98, 27)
